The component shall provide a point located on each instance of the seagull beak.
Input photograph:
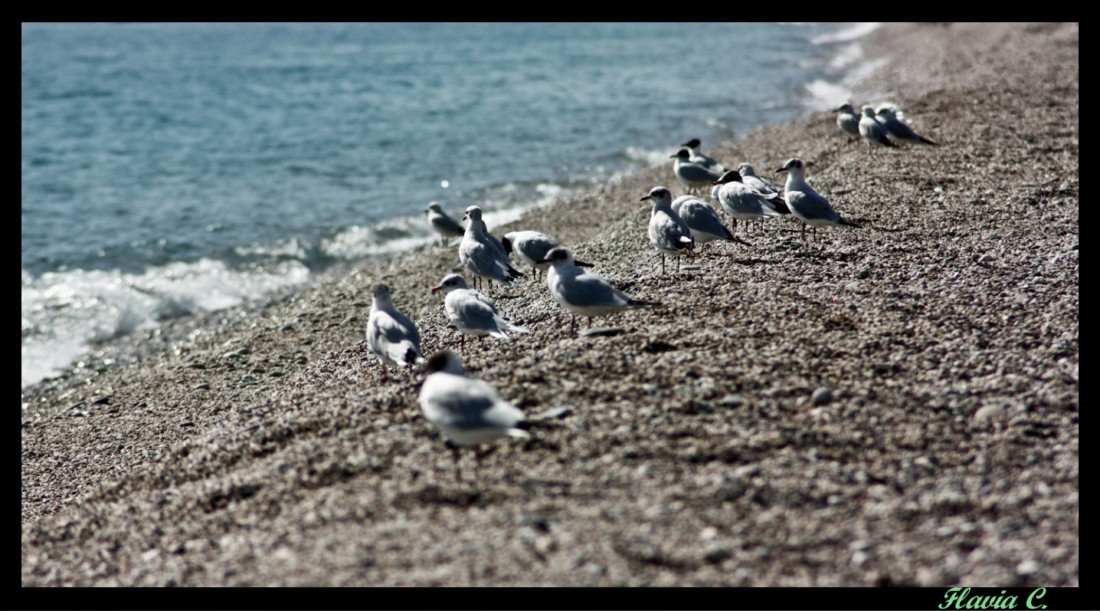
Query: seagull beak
(717, 182)
(582, 264)
(781, 170)
(437, 288)
(645, 198)
(541, 261)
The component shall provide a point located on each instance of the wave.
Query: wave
(64, 314)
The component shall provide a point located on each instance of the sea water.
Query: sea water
(169, 169)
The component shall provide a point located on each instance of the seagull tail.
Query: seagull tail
(517, 329)
(514, 432)
(514, 273)
(926, 140)
(640, 303)
(412, 357)
(847, 223)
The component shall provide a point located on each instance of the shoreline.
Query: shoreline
(688, 448)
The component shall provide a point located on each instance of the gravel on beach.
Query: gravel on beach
(890, 405)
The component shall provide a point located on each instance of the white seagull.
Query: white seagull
(805, 203)
(847, 120)
(872, 132)
(764, 186)
(481, 254)
(390, 334)
(698, 157)
(668, 233)
(742, 202)
(444, 225)
(469, 411)
(897, 128)
(471, 312)
(530, 246)
(703, 221)
(582, 291)
(694, 175)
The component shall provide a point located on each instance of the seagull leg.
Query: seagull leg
(573, 325)
(455, 456)
(589, 322)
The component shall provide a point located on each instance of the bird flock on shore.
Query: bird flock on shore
(469, 411)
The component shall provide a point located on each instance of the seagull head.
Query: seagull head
(886, 111)
(869, 111)
(683, 154)
(445, 361)
(794, 166)
(660, 196)
(450, 283)
(434, 207)
(729, 176)
(846, 107)
(745, 169)
(693, 143)
(506, 242)
(382, 294)
(473, 213)
(559, 257)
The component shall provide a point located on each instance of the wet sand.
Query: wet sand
(259, 446)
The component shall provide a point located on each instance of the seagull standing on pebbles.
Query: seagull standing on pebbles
(872, 132)
(698, 157)
(847, 120)
(668, 233)
(390, 334)
(897, 128)
(471, 312)
(805, 203)
(742, 202)
(469, 411)
(482, 254)
(444, 225)
(694, 175)
(703, 221)
(584, 292)
(764, 186)
(531, 247)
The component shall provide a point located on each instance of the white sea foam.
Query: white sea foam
(65, 313)
(857, 30)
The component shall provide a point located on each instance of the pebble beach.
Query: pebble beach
(891, 405)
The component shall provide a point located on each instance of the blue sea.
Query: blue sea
(169, 169)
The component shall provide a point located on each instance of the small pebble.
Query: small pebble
(822, 396)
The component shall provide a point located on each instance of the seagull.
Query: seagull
(694, 175)
(805, 203)
(701, 159)
(471, 312)
(765, 187)
(444, 225)
(530, 246)
(742, 202)
(469, 411)
(872, 132)
(668, 233)
(703, 221)
(847, 120)
(897, 128)
(481, 254)
(584, 292)
(390, 334)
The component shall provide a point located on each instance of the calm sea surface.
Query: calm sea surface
(173, 168)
